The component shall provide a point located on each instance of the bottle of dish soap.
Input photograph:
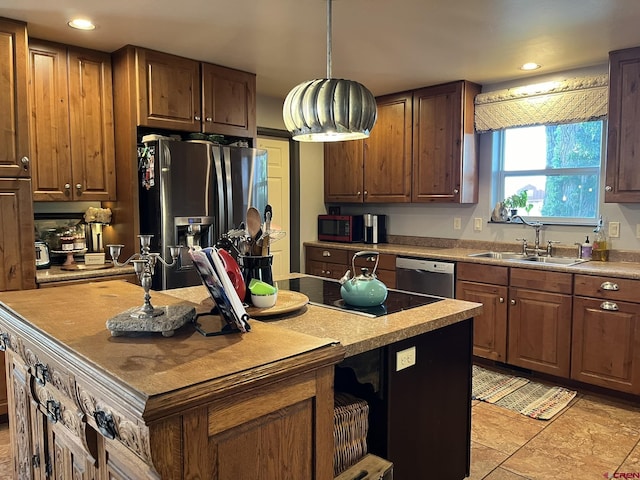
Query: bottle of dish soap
(600, 250)
(586, 249)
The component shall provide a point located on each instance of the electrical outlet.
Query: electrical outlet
(614, 229)
(457, 223)
(477, 224)
(638, 230)
(405, 358)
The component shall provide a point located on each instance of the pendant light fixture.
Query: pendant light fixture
(329, 109)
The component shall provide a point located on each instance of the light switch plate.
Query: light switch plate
(638, 230)
(477, 224)
(614, 229)
(457, 223)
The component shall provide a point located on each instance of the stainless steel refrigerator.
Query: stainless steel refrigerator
(191, 192)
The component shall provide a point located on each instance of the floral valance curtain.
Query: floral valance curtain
(573, 100)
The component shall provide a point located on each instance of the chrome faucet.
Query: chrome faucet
(537, 226)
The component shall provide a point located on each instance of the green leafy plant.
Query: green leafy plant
(518, 200)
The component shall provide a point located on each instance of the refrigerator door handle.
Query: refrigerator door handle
(216, 153)
(226, 156)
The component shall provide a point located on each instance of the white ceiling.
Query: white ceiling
(387, 45)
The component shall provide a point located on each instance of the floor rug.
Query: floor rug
(519, 394)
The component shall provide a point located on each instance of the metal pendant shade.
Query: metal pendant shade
(329, 109)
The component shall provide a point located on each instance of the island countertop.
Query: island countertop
(357, 333)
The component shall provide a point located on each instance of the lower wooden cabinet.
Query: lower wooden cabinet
(540, 322)
(606, 333)
(486, 284)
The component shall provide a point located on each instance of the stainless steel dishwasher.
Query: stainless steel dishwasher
(431, 277)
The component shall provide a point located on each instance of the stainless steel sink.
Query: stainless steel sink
(555, 260)
(519, 257)
(500, 255)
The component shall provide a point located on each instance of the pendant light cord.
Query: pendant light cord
(328, 38)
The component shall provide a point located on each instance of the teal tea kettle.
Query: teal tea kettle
(365, 290)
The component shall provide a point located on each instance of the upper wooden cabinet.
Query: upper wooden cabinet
(445, 153)
(376, 169)
(177, 93)
(72, 131)
(623, 143)
(14, 120)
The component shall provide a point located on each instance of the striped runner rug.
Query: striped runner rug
(532, 399)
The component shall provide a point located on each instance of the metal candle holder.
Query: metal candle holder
(144, 264)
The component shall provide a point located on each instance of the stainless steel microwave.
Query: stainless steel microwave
(340, 228)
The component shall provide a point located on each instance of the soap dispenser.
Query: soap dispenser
(600, 250)
(586, 249)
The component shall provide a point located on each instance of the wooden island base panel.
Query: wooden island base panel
(84, 404)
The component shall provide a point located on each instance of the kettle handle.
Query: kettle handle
(365, 253)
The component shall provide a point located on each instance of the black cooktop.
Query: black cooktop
(327, 293)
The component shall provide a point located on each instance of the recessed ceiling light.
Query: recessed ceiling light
(81, 24)
(530, 66)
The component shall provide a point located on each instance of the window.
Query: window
(558, 166)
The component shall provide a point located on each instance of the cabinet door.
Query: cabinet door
(3, 383)
(490, 327)
(387, 152)
(17, 252)
(343, 171)
(606, 344)
(68, 460)
(539, 331)
(168, 91)
(228, 101)
(324, 269)
(445, 165)
(623, 143)
(49, 104)
(91, 125)
(14, 120)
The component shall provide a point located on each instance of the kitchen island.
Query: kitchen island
(256, 405)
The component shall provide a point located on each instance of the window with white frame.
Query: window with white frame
(559, 167)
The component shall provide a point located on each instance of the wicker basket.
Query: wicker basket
(350, 427)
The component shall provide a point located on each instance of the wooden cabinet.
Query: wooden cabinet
(177, 93)
(445, 156)
(606, 333)
(486, 284)
(81, 410)
(623, 140)
(14, 120)
(71, 101)
(539, 325)
(376, 169)
(334, 263)
(17, 252)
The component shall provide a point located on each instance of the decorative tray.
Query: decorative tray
(288, 301)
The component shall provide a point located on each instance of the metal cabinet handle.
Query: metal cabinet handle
(456, 191)
(513, 302)
(608, 188)
(25, 163)
(358, 193)
(326, 253)
(610, 286)
(4, 342)
(611, 306)
(67, 186)
(53, 410)
(78, 186)
(197, 118)
(105, 424)
(208, 119)
(501, 300)
(41, 373)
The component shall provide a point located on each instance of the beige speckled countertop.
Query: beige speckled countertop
(56, 274)
(355, 332)
(460, 251)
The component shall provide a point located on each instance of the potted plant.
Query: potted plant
(516, 201)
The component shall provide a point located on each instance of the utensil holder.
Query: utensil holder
(258, 267)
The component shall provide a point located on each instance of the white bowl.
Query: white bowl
(264, 301)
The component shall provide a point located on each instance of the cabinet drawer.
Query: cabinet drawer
(332, 255)
(385, 262)
(538, 280)
(621, 289)
(476, 272)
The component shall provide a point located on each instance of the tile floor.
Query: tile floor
(590, 439)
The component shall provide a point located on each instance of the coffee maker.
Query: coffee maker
(375, 228)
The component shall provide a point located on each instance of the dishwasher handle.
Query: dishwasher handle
(431, 266)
